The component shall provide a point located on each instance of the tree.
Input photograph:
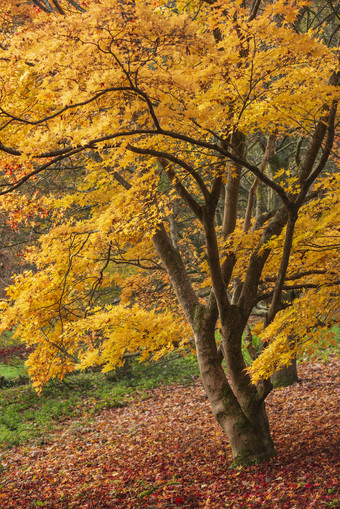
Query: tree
(168, 106)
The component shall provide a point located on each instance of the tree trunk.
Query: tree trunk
(240, 409)
(248, 433)
(286, 376)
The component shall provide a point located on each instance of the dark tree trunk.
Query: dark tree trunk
(286, 376)
(238, 407)
(249, 435)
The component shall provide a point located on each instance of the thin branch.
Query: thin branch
(302, 286)
(58, 347)
(76, 5)
(295, 276)
(101, 275)
(287, 248)
(66, 108)
(254, 9)
(58, 7)
(181, 190)
(176, 160)
(40, 5)
(14, 185)
(177, 136)
(252, 192)
(328, 146)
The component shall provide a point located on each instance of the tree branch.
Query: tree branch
(287, 248)
(181, 190)
(252, 192)
(165, 155)
(175, 268)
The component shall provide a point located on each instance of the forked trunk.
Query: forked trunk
(239, 410)
(249, 436)
(250, 442)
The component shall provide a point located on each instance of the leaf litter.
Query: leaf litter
(167, 451)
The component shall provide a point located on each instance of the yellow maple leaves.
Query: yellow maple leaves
(116, 88)
(313, 274)
(128, 330)
(106, 66)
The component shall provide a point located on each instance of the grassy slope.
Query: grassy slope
(9, 371)
(25, 416)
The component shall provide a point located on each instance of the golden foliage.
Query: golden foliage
(121, 85)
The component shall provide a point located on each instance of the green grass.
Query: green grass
(9, 371)
(27, 417)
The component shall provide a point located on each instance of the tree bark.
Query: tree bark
(248, 431)
(232, 186)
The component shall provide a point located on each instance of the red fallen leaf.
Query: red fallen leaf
(179, 500)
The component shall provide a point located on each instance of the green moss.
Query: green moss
(197, 317)
(283, 381)
(227, 396)
(247, 458)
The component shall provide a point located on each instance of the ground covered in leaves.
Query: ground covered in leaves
(166, 451)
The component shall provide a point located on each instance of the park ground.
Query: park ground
(161, 448)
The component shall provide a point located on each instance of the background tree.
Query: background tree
(160, 106)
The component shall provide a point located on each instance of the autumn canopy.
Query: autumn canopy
(177, 163)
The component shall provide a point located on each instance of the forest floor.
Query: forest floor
(164, 450)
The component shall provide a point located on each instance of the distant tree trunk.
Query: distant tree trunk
(286, 376)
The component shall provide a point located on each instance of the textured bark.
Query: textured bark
(174, 266)
(247, 299)
(249, 435)
(232, 187)
(281, 276)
